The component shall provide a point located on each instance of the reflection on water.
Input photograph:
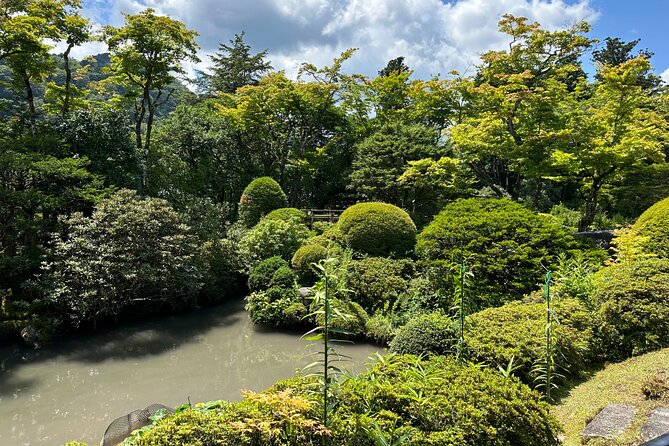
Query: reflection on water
(73, 390)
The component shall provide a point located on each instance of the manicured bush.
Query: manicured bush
(305, 256)
(376, 281)
(438, 402)
(260, 277)
(276, 307)
(287, 214)
(517, 330)
(283, 277)
(378, 229)
(506, 245)
(260, 197)
(426, 334)
(272, 238)
(649, 235)
(633, 314)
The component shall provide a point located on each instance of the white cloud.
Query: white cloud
(434, 36)
(665, 76)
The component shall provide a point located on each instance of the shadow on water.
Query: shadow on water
(131, 340)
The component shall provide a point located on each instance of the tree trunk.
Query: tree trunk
(139, 119)
(68, 79)
(30, 98)
(590, 210)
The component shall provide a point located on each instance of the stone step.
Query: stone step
(610, 422)
(657, 424)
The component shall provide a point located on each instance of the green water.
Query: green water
(73, 390)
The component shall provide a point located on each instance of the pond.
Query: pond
(75, 388)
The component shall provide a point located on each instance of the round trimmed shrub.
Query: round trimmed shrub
(378, 229)
(506, 245)
(517, 330)
(272, 238)
(440, 402)
(305, 256)
(260, 277)
(260, 197)
(649, 235)
(287, 214)
(375, 281)
(283, 277)
(426, 334)
(633, 314)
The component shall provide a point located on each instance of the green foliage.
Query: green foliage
(284, 277)
(506, 244)
(276, 307)
(375, 281)
(649, 236)
(130, 252)
(515, 333)
(305, 256)
(287, 214)
(378, 229)
(633, 314)
(261, 196)
(272, 238)
(220, 270)
(438, 402)
(260, 277)
(261, 419)
(353, 325)
(426, 334)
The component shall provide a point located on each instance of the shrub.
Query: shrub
(516, 331)
(260, 197)
(261, 275)
(287, 214)
(633, 314)
(129, 250)
(276, 307)
(379, 329)
(221, 267)
(649, 235)
(283, 277)
(305, 256)
(426, 334)
(507, 246)
(353, 324)
(438, 402)
(375, 281)
(378, 229)
(271, 238)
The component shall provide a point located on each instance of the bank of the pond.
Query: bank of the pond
(75, 388)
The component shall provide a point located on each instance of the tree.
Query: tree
(129, 252)
(616, 52)
(147, 55)
(616, 131)
(395, 66)
(235, 66)
(517, 117)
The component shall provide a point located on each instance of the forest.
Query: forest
(128, 188)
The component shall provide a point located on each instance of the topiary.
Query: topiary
(261, 275)
(426, 334)
(378, 229)
(440, 402)
(272, 238)
(304, 257)
(649, 235)
(506, 245)
(633, 314)
(375, 281)
(287, 214)
(516, 331)
(283, 277)
(260, 197)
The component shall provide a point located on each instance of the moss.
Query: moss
(378, 229)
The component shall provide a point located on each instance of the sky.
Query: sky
(434, 36)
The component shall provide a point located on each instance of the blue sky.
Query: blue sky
(435, 36)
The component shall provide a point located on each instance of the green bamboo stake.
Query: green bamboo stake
(549, 357)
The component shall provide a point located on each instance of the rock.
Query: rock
(30, 336)
(305, 292)
(657, 424)
(610, 422)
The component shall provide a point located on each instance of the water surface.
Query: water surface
(74, 389)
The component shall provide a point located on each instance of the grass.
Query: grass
(617, 383)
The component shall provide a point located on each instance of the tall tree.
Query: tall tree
(148, 54)
(235, 66)
(616, 52)
(394, 66)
